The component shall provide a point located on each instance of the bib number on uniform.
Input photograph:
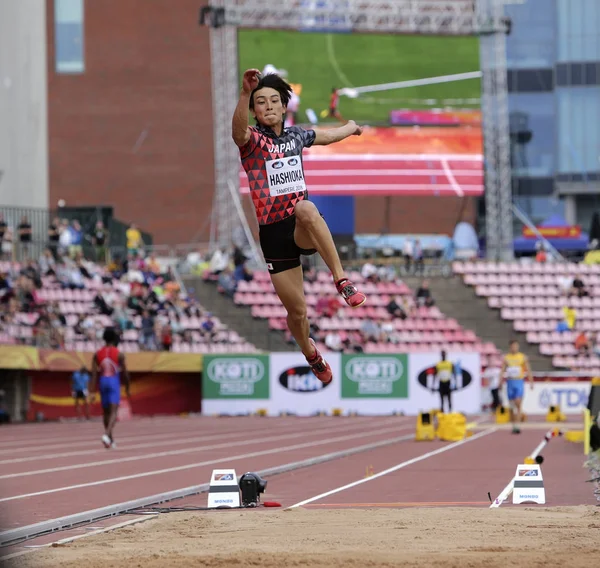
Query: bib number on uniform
(513, 372)
(285, 175)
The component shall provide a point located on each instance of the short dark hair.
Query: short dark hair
(513, 341)
(110, 336)
(273, 81)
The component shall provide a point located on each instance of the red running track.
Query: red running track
(386, 174)
(52, 470)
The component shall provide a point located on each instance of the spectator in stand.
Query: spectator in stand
(541, 255)
(6, 248)
(407, 253)
(218, 262)
(47, 263)
(153, 266)
(3, 228)
(226, 283)
(578, 288)
(418, 258)
(595, 343)
(76, 246)
(333, 341)
(166, 337)
(369, 272)
(208, 328)
(388, 333)
(64, 237)
(100, 242)
(582, 344)
(135, 242)
(423, 295)
(147, 336)
(54, 236)
(370, 331)
(25, 233)
(120, 316)
(395, 308)
(570, 318)
(565, 283)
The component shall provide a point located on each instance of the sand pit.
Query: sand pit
(349, 538)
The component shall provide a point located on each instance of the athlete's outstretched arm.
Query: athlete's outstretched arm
(239, 124)
(325, 137)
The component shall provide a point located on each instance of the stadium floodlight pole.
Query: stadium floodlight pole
(484, 18)
(496, 134)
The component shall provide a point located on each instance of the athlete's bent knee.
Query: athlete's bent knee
(306, 213)
(297, 314)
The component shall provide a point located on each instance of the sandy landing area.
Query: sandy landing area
(349, 538)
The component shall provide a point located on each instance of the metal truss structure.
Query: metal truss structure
(483, 18)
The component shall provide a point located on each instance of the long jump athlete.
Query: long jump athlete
(108, 365)
(289, 224)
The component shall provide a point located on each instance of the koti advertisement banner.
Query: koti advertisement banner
(235, 383)
(364, 383)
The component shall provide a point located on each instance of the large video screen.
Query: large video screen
(418, 96)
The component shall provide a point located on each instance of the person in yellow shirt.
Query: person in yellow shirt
(134, 239)
(514, 368)
(444, 371)
(570, 316)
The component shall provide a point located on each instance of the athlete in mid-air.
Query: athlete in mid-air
(289, 224)
(514, 368)
(108, 366)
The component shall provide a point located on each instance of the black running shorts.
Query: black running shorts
(445, 388)
(278, 246)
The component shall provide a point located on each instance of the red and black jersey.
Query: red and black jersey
(275, 171)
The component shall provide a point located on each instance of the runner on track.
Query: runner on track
(109, 364)
(289, 224)
(514, 367)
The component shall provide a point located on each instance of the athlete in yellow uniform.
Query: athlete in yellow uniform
(514, 368)
(444, 371)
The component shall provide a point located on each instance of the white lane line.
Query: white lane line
(247, 441)
(225, 459)
(395, 468)
(172, 442)
(455, 185)
(33, 548)
(445, 171)
(334, 63)
(172, 437)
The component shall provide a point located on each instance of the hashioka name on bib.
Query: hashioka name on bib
(275, 172)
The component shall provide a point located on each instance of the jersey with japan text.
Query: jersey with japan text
(275, 170)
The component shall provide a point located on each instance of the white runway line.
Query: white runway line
(395, 468)
(221, 460)
(192, 450)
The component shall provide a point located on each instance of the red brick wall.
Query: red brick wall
(147, 68)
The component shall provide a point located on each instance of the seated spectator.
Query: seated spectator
(226, 283)
(218, 262)
(388, 333)
(208, 327)
(47, 263)
(369, 272)
(423, 295)
(578, 288)
(565, 283)
(370, 331)
(120, 316)
(570, 318)
(176, 325)
(152, 266)
(595, 343)
(309, 274)
(582, 344)
(395, 308)
(166, 338)
(333, 341)
(540, 255)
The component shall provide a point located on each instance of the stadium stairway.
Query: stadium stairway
(237, 318)
(459, 301)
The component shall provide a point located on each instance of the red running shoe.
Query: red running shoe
(319, 366)
(350, 293)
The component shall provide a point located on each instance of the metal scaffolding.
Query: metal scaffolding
(484, 18)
